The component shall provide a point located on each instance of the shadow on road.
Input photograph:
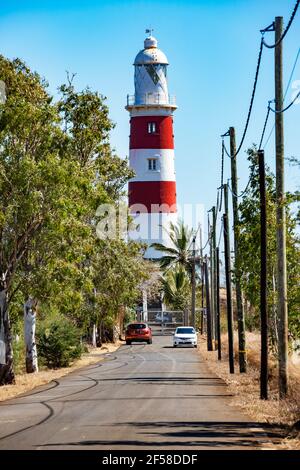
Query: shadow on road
(198, 434)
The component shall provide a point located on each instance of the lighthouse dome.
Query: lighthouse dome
(150, 54)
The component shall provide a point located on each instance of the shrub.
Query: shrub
(19, 355)
(58, 343)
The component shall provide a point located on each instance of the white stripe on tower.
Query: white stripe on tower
(141, 161)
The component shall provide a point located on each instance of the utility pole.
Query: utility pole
(281, 216)
(228, 281)
(236, 230)
(263, 278)
(214, 267)
(212, 307)
(208, 312)
(202, 280)
(194, 283)
(218, 305)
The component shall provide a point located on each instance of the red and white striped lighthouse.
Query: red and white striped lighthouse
(152, 191)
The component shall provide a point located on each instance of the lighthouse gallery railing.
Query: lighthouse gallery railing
(150, 99)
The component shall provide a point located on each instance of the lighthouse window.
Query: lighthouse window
(151, 69)
(152, 164)
(164, 69)
(151, 127)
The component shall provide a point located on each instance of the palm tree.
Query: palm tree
(176, 289)
(180, 254)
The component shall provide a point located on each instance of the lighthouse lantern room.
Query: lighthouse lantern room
(152, 191)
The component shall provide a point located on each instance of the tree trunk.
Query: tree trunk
(100, 337)
(274, 311)
(29, 335)
(7, 375)
(94, 336)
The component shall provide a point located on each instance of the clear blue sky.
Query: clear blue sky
(212, 47)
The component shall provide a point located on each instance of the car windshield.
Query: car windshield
(185, 331)
(137, 326)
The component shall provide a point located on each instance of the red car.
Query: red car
(139, 332)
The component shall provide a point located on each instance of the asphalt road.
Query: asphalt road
(141, 397)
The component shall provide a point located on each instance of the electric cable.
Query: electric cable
(221, 231)
(252, 99)
(269, 28)
(265, 126)
(288, 107)
(239, 196)
(286, 92)
(222, 176)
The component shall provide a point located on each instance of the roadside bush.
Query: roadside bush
(19, 355)
(58, 343)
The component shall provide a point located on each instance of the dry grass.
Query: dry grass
(27, 382)
(246, 387)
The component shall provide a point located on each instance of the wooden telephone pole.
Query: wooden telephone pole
(202, 281)
(282, 309)
(238, 288)
(194, 283)
(211, 273)
(228, 281)
(263, 278)
(208, 311)
(218, 305)
(214, 268)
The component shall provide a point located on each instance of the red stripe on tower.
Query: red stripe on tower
(161, 138)
(156, 196)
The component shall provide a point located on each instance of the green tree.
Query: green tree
(179, 254)
(250, 247)
(176, 289)
(119, 271)
(33, 182)
(56, 168)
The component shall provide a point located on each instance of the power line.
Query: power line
(292, 73)
(226, 151)
(239, 196)
(288, 107)
(220, 236)
(286, 92)
(208, 240)
(222, 176)
(251, 104)
(194, 236)
(265, 126)
(272, 28)
(206, 244)
(252, 98)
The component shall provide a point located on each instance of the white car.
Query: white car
(185, 336)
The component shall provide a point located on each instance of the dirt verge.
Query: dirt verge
(27, 382)
(245, 389)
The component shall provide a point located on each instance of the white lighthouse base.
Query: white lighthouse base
(152, 228)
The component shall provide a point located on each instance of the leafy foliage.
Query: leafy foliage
(176, 264)
(250, 247)
(176, 289)
(56, 168)
(58, 342)
(179, 254)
